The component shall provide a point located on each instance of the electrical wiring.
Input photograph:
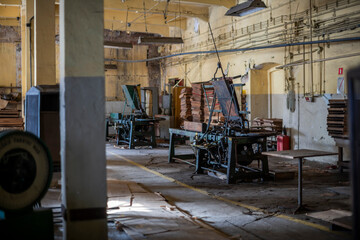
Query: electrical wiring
(238, 49)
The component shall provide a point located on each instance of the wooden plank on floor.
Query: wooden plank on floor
(117, 188)
(147, 197)
(117, 202)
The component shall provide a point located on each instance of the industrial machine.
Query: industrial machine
(135, 128)
(25, 176)
(229, 147)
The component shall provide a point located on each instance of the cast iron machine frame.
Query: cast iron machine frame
(136, 128)
(231, 146)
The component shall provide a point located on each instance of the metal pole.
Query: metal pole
(300, 184)
(311, 54)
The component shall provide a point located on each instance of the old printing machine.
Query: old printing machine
(136, 128)
(231, 146)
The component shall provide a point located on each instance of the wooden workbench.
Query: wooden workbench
(299, 154)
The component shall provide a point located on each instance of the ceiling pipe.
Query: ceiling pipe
(240, 49)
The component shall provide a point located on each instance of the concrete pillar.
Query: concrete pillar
(27, 12)
(44, 42)
(82, 119)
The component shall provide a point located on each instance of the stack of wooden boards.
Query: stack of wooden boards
(337, 118)
(10, 119)
(197, 103)
(185, 105)
(268, 124)
(208, 100)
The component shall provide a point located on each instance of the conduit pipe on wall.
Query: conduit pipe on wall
(311, 53)
(319, 60)
(237, 50)
(304, 70)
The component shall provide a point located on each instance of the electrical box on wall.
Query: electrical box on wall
(309, 98)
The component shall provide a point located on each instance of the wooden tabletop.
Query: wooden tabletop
(300, 153)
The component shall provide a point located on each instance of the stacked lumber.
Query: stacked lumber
(243, 102)
(197, 103)
(208, 100)
(337, 118)
(195, 126)
(185, 105)
(268, 124)
(10, 119)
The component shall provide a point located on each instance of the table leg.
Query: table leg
(171, 148)
(231, 162)
(300, 186)
(199, 161)
(300, 183)
(340, 159)
(132, 135)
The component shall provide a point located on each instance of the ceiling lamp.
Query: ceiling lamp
(118, 45)
(246, 8)
(160, 40)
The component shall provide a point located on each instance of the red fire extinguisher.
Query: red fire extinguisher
(283, 141)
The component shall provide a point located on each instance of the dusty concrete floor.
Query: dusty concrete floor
(251, 210)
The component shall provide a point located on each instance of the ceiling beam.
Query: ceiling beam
(9, 22)
(158, 8)
(159, 29)
(160, 40)
(10, 2)
(117, 45)
(12, 12)
(225, 3)
(127, 21)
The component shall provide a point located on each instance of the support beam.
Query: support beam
(27, 12)
(11, 2)
(152, 19)
(44, 43)
(224, 3)
(82, 119)
(158, 8)
(9, 11)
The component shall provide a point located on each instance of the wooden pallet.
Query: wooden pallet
(337, 118)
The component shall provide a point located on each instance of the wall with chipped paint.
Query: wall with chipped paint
(7, 64)
(126, 73)
(285, 21)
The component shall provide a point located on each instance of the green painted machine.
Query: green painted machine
(136, 128)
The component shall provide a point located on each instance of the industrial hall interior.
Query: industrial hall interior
(179, 119)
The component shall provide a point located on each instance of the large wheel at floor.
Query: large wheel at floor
(25, 170)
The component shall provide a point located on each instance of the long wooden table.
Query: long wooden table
(299, 154)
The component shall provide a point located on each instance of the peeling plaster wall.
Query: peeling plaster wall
(126, 73)
(235, 32)
(8, 64)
